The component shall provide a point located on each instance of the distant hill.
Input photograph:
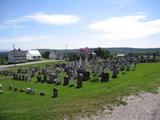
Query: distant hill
(111, 50)
(4, 51)
(134, 50)
(4, 54)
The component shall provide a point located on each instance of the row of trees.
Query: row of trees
(101, 53)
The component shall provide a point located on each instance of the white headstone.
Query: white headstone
(71, 81)
(59, 78)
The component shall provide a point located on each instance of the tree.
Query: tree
(3, 59)
(102, 53)
(45, 54)
(154, 56)
(73, 56)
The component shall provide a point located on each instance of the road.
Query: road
(139, 107)
(28, 63)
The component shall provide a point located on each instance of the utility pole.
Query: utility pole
(14, 54)
(66, 50)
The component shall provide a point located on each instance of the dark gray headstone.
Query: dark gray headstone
(105, 77)
(66, 81)
(80, 81)
(55, 92)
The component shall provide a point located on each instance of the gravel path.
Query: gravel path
(145, 106)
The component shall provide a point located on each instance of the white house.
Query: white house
(120, 55)
(52, 55)
(33, 55)
(17, 56)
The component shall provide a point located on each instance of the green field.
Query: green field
(71, 101)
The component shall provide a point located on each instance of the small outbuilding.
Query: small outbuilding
(120, 55)
(33, 55)
(52, 56)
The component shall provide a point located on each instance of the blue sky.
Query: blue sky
(31, 24)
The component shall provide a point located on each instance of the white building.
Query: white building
(120, 55)
(55, 56)
(33, 55)
(17, 56)
(52, 56)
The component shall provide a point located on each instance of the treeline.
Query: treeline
(105, 54)
(99, 52)
(3, 60)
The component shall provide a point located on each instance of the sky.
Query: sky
(61, 24)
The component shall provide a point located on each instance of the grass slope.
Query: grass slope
(91, 97)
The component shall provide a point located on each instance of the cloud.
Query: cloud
(27, 38)
(43, 18)
(126, 27)
(54, 19)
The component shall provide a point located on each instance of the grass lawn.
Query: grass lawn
(71, 101)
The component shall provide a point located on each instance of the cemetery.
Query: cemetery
(63, 89)
(80, 60)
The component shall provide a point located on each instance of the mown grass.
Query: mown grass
(71, 101)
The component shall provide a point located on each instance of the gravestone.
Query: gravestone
(1, 91)
(10, 87)
(42, 93)
(66, 81)
(86, 75)
(75, 73)
(19, 70)
(44, 78)
(133, 66)
(122, 68)
(29, 74)
(38, 78)
(55, 92)
(22, 90)
(23, 77)
(59, 78)
(114, 73)
(105, 77)
(33, 72)
(51, 78)
(26, 78)
(94, 69)
(15, 89)
(80, 81)
(71, 81)
(127, 67)
(19, 76)
(100, 68)
(14, 76)
(30, 91)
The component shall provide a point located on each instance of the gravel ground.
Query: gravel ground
(145, 106)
